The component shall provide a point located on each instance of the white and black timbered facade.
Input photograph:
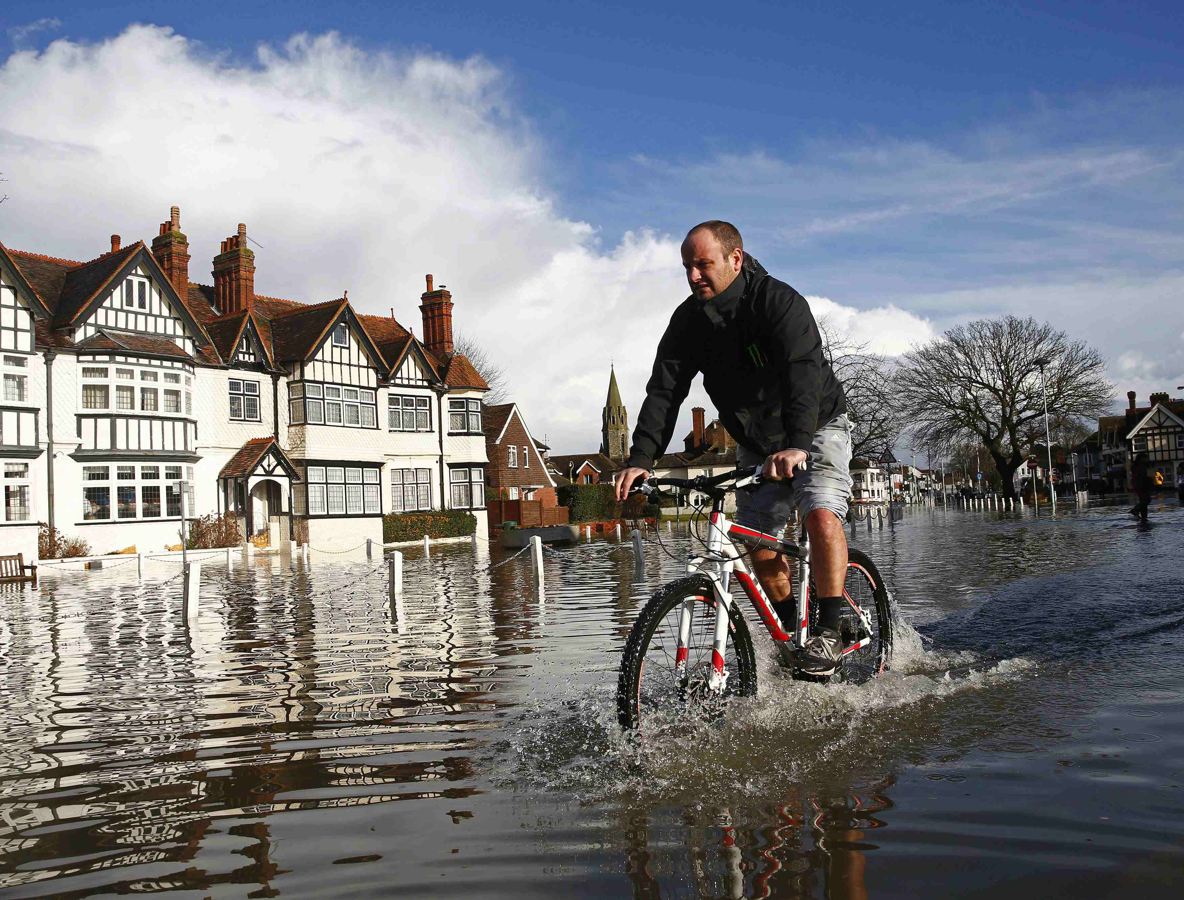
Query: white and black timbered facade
(122, 380)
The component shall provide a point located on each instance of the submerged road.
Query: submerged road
(306, 739)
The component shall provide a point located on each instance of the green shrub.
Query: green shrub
(52, 545)
(440, 524)
(589, 502)
(209, 532)
(598, 503)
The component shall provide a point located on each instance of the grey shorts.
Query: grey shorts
(826, 483)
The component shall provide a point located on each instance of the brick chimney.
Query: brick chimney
(234, 273)
(697, 414)
(1159, 397)
(114, 242)
(171, 249)
(437, 319)
(1130, 398)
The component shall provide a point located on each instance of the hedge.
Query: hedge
(413, 526)
(598, 503)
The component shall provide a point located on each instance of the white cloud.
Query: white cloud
(887, 330)
(19, 34)
(353, 170)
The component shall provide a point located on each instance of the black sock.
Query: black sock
(787, 611)
(830, 612)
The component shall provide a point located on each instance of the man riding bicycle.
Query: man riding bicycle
(757, 344)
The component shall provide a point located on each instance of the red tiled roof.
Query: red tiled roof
(83, 282)
(118, 341)
(494, 418)
(461, 374)
(225, 331)
(296, 332)
(247, 457)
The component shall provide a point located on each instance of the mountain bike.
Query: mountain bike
(690, 647)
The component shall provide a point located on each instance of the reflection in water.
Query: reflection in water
(306, 733)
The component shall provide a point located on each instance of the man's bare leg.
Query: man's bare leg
(772, 570)
(828, 552)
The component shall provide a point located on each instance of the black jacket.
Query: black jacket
(760, 353)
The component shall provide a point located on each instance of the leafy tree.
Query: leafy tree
(981, 382)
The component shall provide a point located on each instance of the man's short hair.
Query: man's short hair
(726, 233)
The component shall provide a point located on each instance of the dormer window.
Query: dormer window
(340, 335)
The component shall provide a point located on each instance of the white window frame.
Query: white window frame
(466, 412)
(342, 491)
(16, 478)
(340, 335)
(512, 456)
(466, 487)
(409, 408)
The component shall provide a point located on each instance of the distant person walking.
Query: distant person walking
(1141, 482)
(1180, 482)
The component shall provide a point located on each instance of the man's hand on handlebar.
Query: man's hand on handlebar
(781, 465)
(625, 478)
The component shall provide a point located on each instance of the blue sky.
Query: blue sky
(945, 160)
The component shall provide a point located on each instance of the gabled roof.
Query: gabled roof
(70, 289)
(494, 420)
(105, 340)
(597, 461)
(247, 458)
(297, 333)
(40, 309)
(227, 332)
(462, 374)
(1159, 407)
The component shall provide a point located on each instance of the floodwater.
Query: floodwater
(306, 739)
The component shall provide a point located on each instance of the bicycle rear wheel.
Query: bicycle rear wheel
(864, 587)
(652, 681)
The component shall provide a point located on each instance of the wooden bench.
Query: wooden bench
(13, 568)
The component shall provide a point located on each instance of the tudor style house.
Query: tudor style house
(124, 381)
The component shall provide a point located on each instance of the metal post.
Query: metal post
(395, 575)
(617, 530)
(427, 550)
(192, 583)
(638, 549)
(229, 564)
(139, 565)
(305, 545)
(369, 548)
(587, 532)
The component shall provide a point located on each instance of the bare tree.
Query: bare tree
(867, 382)
(981, 382)
(494, 374)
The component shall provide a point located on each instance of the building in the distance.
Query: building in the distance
(1156, 429)
(123, 379)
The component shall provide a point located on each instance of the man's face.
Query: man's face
(709, 270)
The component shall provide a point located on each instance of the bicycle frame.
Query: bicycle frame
(721, 562)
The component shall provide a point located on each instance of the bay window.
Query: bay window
(339, 490)
(467, 485)
(314, 403)
(464, 416)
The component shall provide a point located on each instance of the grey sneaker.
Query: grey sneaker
(822, 653)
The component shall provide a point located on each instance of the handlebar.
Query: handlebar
(742, 477)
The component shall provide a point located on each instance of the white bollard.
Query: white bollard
(587, 532)
(292, 549)
(617, 530)
(536, 559)
(369, 548)
(638, 548)
(474, 540)
(191, 584)
(305, 546)
(427, 551)
(669, 526)
(229, 561)
(139, 565)
(395, 575)
(248, 550)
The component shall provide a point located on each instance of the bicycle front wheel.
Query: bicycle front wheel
(657, 681)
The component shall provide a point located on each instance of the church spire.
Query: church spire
(614, 430)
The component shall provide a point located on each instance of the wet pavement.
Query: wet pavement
(307, 739)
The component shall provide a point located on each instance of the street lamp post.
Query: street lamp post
(1052, 488)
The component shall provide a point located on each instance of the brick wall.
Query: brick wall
(499, 475)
